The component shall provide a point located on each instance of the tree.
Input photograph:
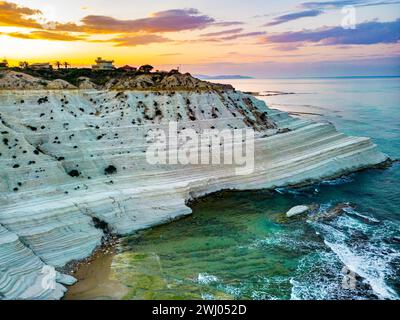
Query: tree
(66, 64)
(146, 68)
(58, 64)
(23, 64)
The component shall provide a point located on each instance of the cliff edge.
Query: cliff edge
(107, 80)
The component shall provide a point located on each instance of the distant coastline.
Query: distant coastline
(222, 77)
(328, 77)
(241, 77)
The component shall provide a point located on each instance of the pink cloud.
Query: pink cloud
(137, 40)
(222, 33)
(163, 21)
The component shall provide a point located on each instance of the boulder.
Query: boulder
(330, 214)
(297, 210)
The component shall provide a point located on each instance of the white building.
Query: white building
(41, 66)
(103, 64)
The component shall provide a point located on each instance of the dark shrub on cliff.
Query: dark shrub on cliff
(110, 170)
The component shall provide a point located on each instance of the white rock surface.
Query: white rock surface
(297, 210)
(18, 80)
(85, 83)
(22, 273)
(48, 217)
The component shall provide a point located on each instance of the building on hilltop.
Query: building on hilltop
(127, 68)
(41, 66)
(103, 64)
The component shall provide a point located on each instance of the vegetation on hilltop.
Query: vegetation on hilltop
(74, 75)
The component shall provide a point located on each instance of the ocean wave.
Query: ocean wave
(337, 181)
(351, 211)
(319, 276)
(270, 288)
(302, 106)
(205, 278)
(313, 189)
(361, 248)
(284, 240)
(287, 191)
(234, 291)
(211, 281)
(308, 191)
(207, 296)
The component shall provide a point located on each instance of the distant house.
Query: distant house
(127, 68)
(41, 66)
(103, 64)
(146, 68)
(174, 71)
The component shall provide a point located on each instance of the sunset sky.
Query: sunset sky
(261, 38)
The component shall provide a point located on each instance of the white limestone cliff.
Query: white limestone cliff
(55, 146)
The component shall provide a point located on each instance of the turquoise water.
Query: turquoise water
(238, 245)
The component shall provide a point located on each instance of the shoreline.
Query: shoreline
(86, 280)
(107, 246)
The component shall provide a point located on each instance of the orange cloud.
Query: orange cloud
(133, 32)
(17, 16)
(45, 35)
(136, 40)
(163, 21)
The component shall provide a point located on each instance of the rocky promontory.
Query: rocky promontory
(74, 169)
(13, 80)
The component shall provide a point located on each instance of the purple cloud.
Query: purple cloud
(222, 33)
(242, 35)
(227, 23)
(137, 40)
(294, 16)
(163, 21)
(231, 37)
(366, 33)
(341, 3)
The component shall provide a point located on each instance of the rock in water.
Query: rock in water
(297, 210)
(330, 214)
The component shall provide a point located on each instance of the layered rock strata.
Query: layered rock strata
(71, 160)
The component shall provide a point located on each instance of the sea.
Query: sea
(238, 245)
